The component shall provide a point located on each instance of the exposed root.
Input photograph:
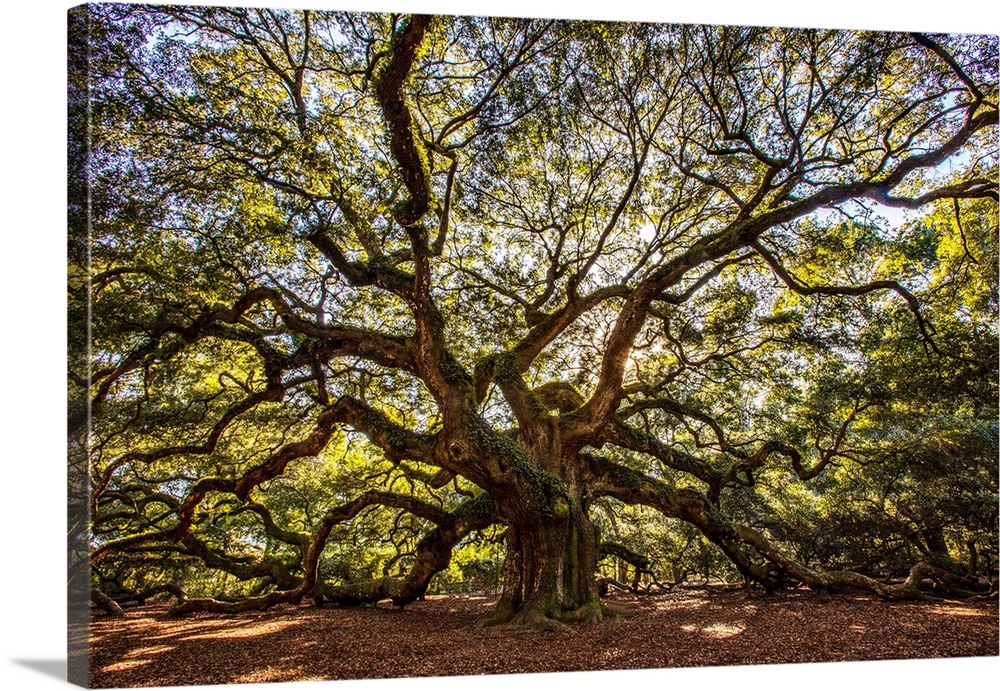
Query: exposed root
(535, 620)
(528, 620)
(590, 612)
(502, 614)
(595, 611)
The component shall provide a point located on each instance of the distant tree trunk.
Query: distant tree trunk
(973, 559)
(934, 537)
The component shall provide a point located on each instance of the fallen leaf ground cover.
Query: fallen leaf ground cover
(438, 637)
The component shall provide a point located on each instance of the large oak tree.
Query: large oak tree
(448, 273)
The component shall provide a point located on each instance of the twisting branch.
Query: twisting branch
(206, 447)
(633, 487)
(407, 146)
(926, 330)
(936, 48)
(968, 189)
(703, 280)
(433, 553)
(599, 410)
(359, 274)
(397, 442)
(816, 578)
(620, 434)
(394, 440)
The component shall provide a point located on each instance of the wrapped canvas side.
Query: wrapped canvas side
(78, 330)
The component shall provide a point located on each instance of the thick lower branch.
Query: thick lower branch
(433, 554)
(111, 607)
(633, 487)
(909, 589)
(139, 598)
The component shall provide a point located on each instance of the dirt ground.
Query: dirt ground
(686, 628)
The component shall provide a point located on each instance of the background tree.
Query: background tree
(472, 277)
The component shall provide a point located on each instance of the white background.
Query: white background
(32, 335)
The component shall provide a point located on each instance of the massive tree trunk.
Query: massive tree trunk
(551, 562)
(550, 572)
